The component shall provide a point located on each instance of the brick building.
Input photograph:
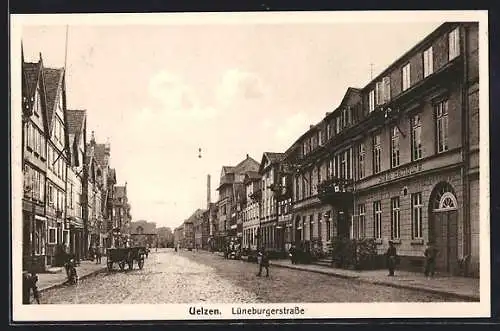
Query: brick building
(399, 158)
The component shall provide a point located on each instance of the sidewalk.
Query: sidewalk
(85, 269)
(459, 287)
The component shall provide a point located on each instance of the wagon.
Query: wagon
(125, 256)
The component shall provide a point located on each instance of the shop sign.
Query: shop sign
(401, 172)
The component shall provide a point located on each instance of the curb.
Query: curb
(388, 284)
(61, 284)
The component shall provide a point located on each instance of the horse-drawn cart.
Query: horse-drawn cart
(125, 256)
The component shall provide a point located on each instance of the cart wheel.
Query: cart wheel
(110, 266)
(121, 265)
(141, 263)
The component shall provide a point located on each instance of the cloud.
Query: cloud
(292, 127)
(178, 100)
(237, 84)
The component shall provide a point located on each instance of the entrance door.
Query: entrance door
(443, 227)
(444, 235)
(342, 225)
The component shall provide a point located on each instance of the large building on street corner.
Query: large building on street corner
(399, 158)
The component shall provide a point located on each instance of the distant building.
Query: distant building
(165, 237)
(231, 194)
(143, 233)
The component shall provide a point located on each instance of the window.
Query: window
(377, 219)
(416, 202)
(50, 192)
(453, 44)
(311, 226)
(361, 160)
(29, 144)
(406, 77)
(309, 183)
(38, 105)
(320, 138)
(416, 139)
(319, 174)
(319, 226)
(329, 166)
(428, 62)
(328, 131)
(394, 146)
(361, 221)
(387, 88)
(442, 125)
(379, 91)
(371, 101)
(337, 125)
(395, 217)
(52, 235)
(343, 165)
(377, 153)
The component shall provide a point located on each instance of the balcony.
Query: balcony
(336, 191)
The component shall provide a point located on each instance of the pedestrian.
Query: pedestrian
(293, 254)
(430, 254)
(263, 259)
(391, 256)
(98, 254)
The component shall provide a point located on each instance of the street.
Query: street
(191, 277)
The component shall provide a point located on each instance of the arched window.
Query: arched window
(444, 198)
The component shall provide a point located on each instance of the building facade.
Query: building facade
(231, 195)
(75, 207)
(251, 210)
(121, 216)
(271, 233)
(34, 160)
(398, 159)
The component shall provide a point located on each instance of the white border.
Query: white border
(180, 311)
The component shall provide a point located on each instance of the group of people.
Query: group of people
(430, 255)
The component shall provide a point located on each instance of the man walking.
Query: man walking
(391, 256)
(263, 259)
(430, 259)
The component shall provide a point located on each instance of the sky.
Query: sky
(159, 93)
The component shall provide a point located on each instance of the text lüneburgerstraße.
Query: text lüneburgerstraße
(268, 311)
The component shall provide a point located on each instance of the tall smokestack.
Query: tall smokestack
(208, 192)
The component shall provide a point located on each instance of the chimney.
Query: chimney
(209, 199)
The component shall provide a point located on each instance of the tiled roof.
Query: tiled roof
(275, 157)
(248, 164)
(52, 79)
(99, 153)
(31, 72)
(74, 121)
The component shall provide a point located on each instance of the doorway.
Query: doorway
(443, 227)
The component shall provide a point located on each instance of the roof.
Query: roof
(52, 79)
(100, 153)
(248, 164)
(74, 121)
(274, 157)
(120, 191)
(252, 175)
(31, 73)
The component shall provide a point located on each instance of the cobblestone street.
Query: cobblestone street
(193, 277)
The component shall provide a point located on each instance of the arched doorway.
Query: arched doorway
(443, 226)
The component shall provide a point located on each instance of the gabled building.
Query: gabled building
(34, 161)
(93, 197)
(231, 192)
(121, 215)
(75, 204)
(58, 154)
